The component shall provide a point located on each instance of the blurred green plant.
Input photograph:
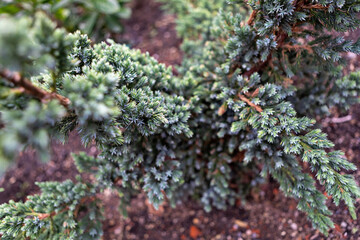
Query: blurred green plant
(93, 17)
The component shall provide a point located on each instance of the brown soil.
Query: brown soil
(269, 215)
(150, 30)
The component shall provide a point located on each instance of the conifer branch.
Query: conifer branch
(338, 119)
(298, 47)
(315, 6)
(280, 39)
(258, 67)
(43, 216)
(245, 99)
(31, 89)
(252, 17)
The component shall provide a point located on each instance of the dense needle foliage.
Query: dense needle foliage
(237, 112)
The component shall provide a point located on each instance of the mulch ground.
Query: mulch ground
(267, 215)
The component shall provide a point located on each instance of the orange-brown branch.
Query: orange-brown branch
(251, 104)
(31, 89)
(280, 39)
(298, 47)
(315, 6)
(42, 216)
(252, 17)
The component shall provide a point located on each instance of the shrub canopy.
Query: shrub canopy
(239, 110)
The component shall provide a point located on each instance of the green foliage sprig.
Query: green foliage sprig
(55, 214)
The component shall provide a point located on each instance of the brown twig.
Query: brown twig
(31, 89)
(244, 99)
(280, 39)
(42, 216)
(253, 94)
(298, 47)
(338, 120)
(315, 6)
(258, 67)
(252, 17)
